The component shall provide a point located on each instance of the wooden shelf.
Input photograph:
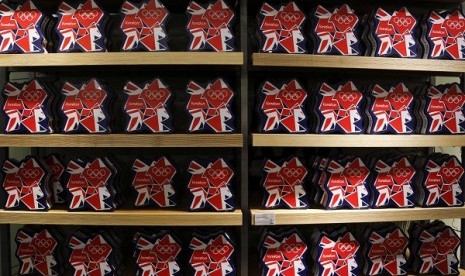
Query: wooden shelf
(361, 140)
(122, 58)
(356, 62)
(124, 217)
(121, 140)
(320, 216)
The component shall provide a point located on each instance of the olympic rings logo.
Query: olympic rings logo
(95, 173)
(455, 25)
(292, 248)
(97, 249)
(26, 15)
(161, 171)
(151, 14)
(348, 96)
(218, 173)
(292, 172)
(32, 95)
(354, 172)
(403, 172)
(291, 95)
(221, 15)
(55, 168)
(219, 249)
(344, 247)
(166, 249)
(394, 242)
(30, 173)
(451, 171)
(446, 241)
(453, 98)
(88, 14)
(92, 94)
(343, 19)
(155, 94)
(403, 21)
(43, 243)
(398, 97)
(290, 17)
(217, 94)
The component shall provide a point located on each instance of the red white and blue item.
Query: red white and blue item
(144, 26)
(339, 109)
(385, 251)
(212, 255)
(209, 107)
(21, 29)
(210, 186)
(282, 107)
(284, 184)
(444, 110)
(37, 252)
(444, 35)
(84, 108)
(147, 107)
(336, 31)
(443, 182)
(25, 184)
(391, 110)
(26, 107)
(210, 27)
(81, 28)
(394, 34)
(283, 254)
(153, 182)
(157, 254)
(57, 172)
(280, 29)
(393, 182)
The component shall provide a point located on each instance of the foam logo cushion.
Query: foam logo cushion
(445, 35)
(57, 170)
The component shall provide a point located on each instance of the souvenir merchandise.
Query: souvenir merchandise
(391, 110)
(21, 29)
(444, 35)
(339, 109)
(147, 107)
(144, 26)
(157, 254)
(209, 107)
(282, 107)
(27, 108)
(280, 29)
(37, 250)
(336, 31)
(81, 28)
(393, 34)
(57, 172)
(385, 251)
(443, 110)
(284, 184)
(85, 108)
(433, 249)
(283, 254)
(393, 182)
(212, 254)
(153, 182)
(25, 185)
(442, 183)
(210, 186)
(211, 26)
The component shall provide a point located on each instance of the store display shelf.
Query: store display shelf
(321, 216)
(122, 58)
(121, 140)
(357, 62)
(357, 140)
(135, 217)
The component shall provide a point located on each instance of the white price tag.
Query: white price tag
(264, 219)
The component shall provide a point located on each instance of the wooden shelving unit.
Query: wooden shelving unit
(122, 58)
(320, 216)
(124, 217)
(357, 62)
(122, 140)
(361, 140)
